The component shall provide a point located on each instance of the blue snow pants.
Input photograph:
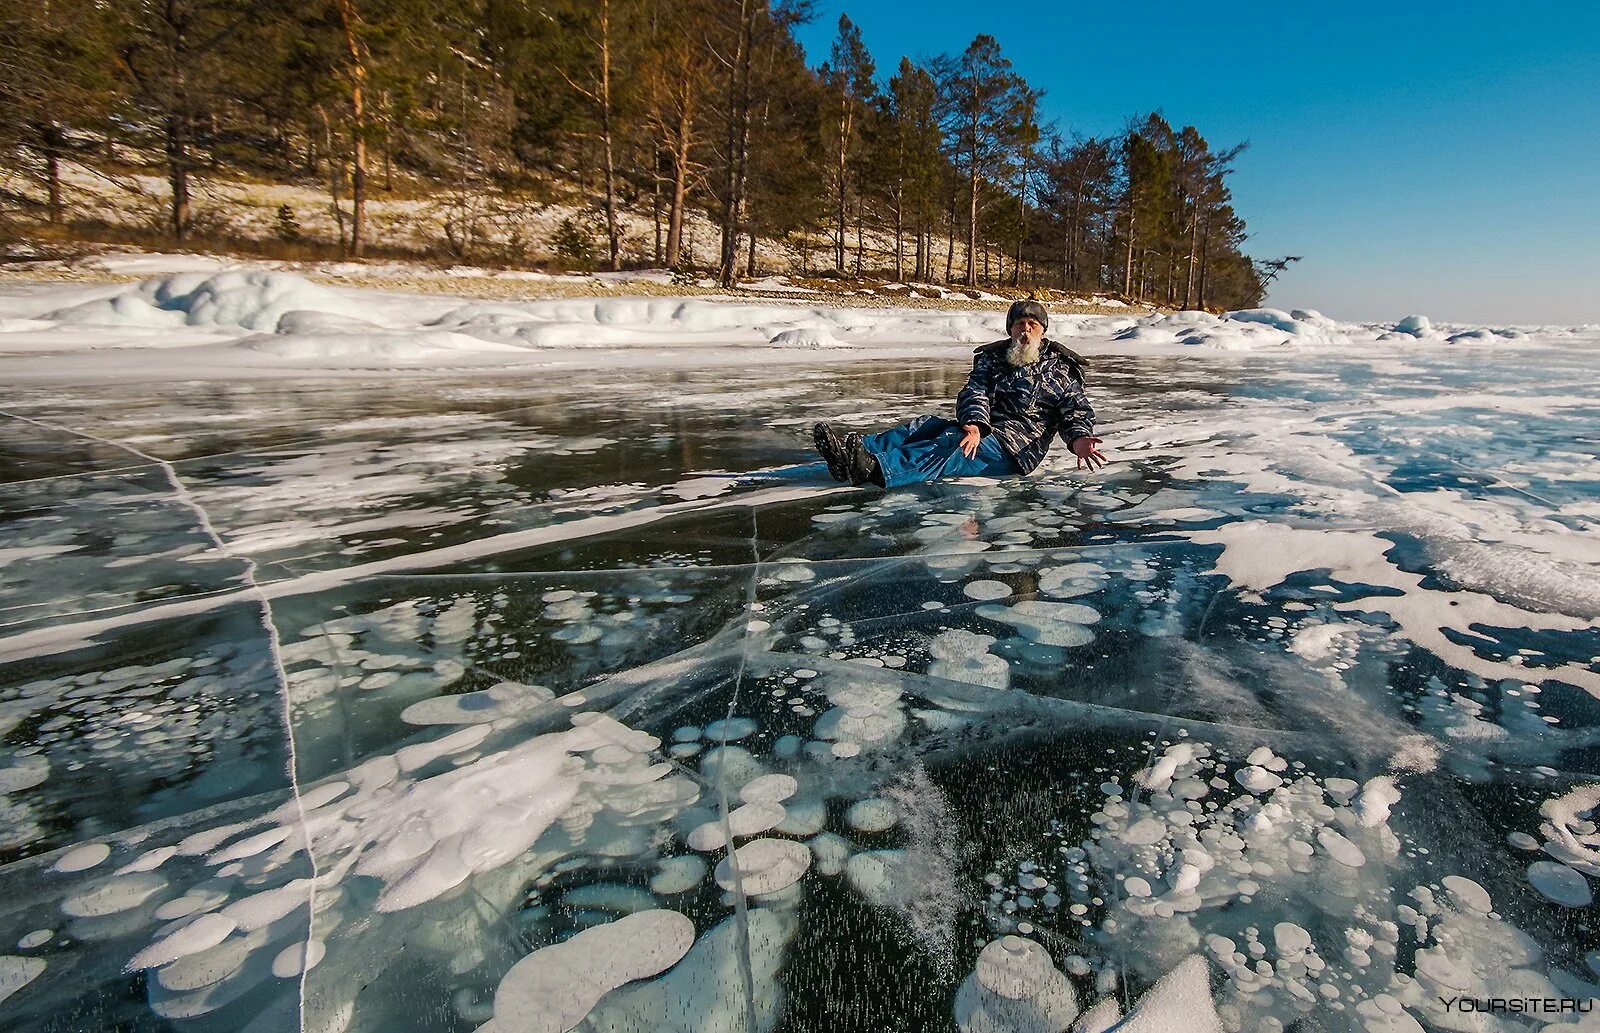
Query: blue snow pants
(928, 448)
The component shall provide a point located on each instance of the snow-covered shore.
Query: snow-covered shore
(263, 321)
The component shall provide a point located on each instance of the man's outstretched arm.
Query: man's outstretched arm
(1076, 420)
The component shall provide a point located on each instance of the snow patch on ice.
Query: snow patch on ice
(1015, 987)
(806, 337)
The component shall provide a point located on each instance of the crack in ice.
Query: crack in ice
(274, 652)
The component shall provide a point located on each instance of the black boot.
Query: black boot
(832, 448)
(863, 465)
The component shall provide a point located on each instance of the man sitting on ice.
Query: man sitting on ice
(1022, 392)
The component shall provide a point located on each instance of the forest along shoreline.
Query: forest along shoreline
(576, 135)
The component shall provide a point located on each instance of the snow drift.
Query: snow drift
(267, 318)
(254, 300)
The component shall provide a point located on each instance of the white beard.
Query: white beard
(1021, 353)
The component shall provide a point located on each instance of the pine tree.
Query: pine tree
(675, 82)
(787, 190)
(848, 77)
(1149, 164)
(286, 225)
(57, 86)
(981, 102)
(744, 36)
(1021, 149)
(605, 33)
(1078, 190)
(910, 159)
(733, 46)
(180, 59)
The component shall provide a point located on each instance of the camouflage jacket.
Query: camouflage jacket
(1024, 406)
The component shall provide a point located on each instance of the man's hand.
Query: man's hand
(970, 437)
(1087, 450)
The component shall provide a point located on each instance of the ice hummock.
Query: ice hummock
(280, 320)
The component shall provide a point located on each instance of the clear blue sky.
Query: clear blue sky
(1428, 157)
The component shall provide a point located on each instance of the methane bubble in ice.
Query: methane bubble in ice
(120, 893)
(986, 590)
(82, 858)
(769, 789)
(729, 728)
(676, 875)
(871, 815)
(552, 989)
(297, 958)
(746, 820)
(1560, 883)
(763, 866)
(16, 973)
(507, 699)
(201, 934)
(1047, 623)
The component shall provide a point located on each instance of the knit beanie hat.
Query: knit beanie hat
(1024, 310)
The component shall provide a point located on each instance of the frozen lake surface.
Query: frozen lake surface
(582, 698)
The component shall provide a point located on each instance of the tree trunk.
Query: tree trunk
(462, 236)
(50, 135)
(655, 208)
(358, 126)
(899, 236)
(950, 243)
(1022, 228)
(311, 170)
(1066, 260)
(1072, 237)
(972, 209)
(176, 127)
(178, 174)
(1127, 272)
(53, 162)
(612, 240)
(388, 144)
(738, 141)
(858, 240)
(840, 171)
(680, 190)
(742, 169)
(335, 170)
(1194, 257)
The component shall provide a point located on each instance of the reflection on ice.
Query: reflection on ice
(1284, 722)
